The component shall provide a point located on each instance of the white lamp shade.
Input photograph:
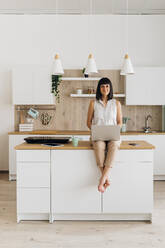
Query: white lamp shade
(127, 67)
(57, 66)
(91, 66)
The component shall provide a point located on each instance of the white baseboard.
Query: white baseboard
(159, 177)
(12, 177)
(22, 217)
(104, 217)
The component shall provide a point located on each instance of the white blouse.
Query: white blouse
(105, 115)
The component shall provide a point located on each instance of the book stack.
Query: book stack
(26, 127)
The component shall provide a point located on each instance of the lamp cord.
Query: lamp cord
(127, 26)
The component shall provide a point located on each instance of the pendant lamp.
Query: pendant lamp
(57, 66)
(127, 67)
(91, 64)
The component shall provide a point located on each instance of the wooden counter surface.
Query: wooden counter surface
(52, 132)
(85, 145)
(77, 132)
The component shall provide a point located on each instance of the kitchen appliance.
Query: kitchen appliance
(47, 140)
(53, 144)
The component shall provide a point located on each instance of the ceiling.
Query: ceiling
(80, 7)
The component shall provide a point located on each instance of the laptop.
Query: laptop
(105, 132)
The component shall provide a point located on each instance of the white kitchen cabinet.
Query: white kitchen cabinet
(65, 186)
(146, 86)
(33, 174)
(18, 139)
(31, 85)
(32, 201)
(33, 184)
(74, 181)
(158, 141)
(130, 192)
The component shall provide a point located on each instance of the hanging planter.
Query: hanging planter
(56, 80)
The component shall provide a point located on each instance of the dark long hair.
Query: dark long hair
(98, 92)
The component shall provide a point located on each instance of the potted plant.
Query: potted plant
(124, 125)
(83, 71)
(56, 79)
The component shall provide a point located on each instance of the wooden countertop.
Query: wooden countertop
(86, 145)
(53, 132)
(77, 132)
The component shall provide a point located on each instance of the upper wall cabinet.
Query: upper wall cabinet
(31, 85)
(146, 86)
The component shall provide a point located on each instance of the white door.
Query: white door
(131, 188)
(22, 85)
(42, 86)
(74, 182)
(31, 85)
(146, 86)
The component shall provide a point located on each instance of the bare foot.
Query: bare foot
(101, 187)
(107, 183)
(104, 183)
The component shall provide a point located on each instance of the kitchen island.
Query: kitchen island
(60, 183)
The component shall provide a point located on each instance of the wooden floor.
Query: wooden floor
(77, 234)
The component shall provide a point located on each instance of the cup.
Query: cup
(75, 141)
(79, 91)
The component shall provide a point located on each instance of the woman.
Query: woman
(104, 111)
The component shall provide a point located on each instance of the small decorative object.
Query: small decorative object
(90, 90)
(29, 120)
(33, 113)
(74, 141)
(83, 71)
(45, 118)
(56, 79)
(79, 91)
(124, 125)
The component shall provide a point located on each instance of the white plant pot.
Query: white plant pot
(52, 98)
(124, 127)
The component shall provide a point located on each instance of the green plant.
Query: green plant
(56, 79)
(83, 72)
(125, 119)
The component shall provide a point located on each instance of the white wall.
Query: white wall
(34, 39)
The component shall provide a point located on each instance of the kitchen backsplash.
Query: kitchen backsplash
(71, 113)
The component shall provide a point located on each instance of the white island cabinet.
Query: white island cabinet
(60, 183)
(74, 182)
(132, 187)
(16, 139)
(33, 185)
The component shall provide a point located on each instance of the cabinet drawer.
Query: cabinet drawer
(33, 174)
(134, 155)
(33, 200)
(33, 156)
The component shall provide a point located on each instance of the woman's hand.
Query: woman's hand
(90, 114)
